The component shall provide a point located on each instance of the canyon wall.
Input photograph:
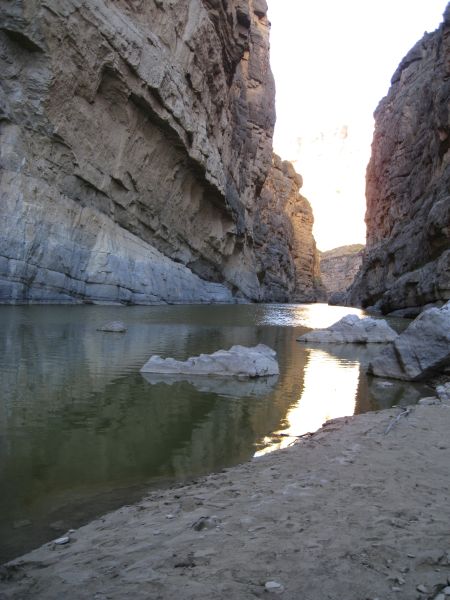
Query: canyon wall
(289, 269)
(338, 268)
(135, 140)
(407, 258)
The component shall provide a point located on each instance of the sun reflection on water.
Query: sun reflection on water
(329, 391)
(312, 316)
(319, 316)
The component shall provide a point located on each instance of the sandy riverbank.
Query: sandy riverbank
(350, 513)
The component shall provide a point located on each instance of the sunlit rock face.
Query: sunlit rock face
(136, 139)
(338, 268)
(289, 266)
(407, 261)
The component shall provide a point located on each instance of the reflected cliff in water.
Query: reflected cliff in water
(82, 431)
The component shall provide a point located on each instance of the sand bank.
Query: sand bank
(352, 512)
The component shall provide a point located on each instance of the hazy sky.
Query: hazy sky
(333, 61)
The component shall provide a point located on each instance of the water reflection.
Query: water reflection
(313, 316)
(329, 391)
(223, 386)
(81, 431)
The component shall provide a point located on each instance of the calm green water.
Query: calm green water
(82, 431)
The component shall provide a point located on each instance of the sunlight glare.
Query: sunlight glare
(332, 63)
(329, 392)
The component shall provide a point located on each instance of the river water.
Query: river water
(83, 432)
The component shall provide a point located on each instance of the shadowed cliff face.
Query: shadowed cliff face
(407, 259)
(338, 268)
(289, 268)
(135, 140)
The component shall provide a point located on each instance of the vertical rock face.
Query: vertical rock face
(407, 259)
(338, 268)
(289, 266)
(135, 140)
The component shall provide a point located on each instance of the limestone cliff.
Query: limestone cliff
(338, 268)
(135, 139)
(407, 258)
(289, 269)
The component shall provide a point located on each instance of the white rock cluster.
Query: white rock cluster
(239, 361)
(352, 329)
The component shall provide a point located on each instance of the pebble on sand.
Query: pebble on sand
(62, 540)
(274, 587)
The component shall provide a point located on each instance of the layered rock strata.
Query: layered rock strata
(338, 268)
(135, 140)
(289, 263)
(407, 258)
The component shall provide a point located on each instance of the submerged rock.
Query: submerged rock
(352, 329)
(422, 349)
(237, 361)
(113, 327)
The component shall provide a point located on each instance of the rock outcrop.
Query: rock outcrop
(238, 361)
(352, 330)
(407, 258)
(289, 264)
(338, 268)
(135, 140)
(422, 350)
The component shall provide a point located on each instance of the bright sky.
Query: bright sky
(333, 61)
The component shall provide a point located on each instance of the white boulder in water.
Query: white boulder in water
(239, 361)
(352, 329)
(113, 327)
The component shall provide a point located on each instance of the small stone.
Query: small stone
(440, 597)
(62, 540)
(422, 589)
(171, 516)
(274, 587)
(446, 590)
(396, 589)
(206, 523)
(113, 327)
